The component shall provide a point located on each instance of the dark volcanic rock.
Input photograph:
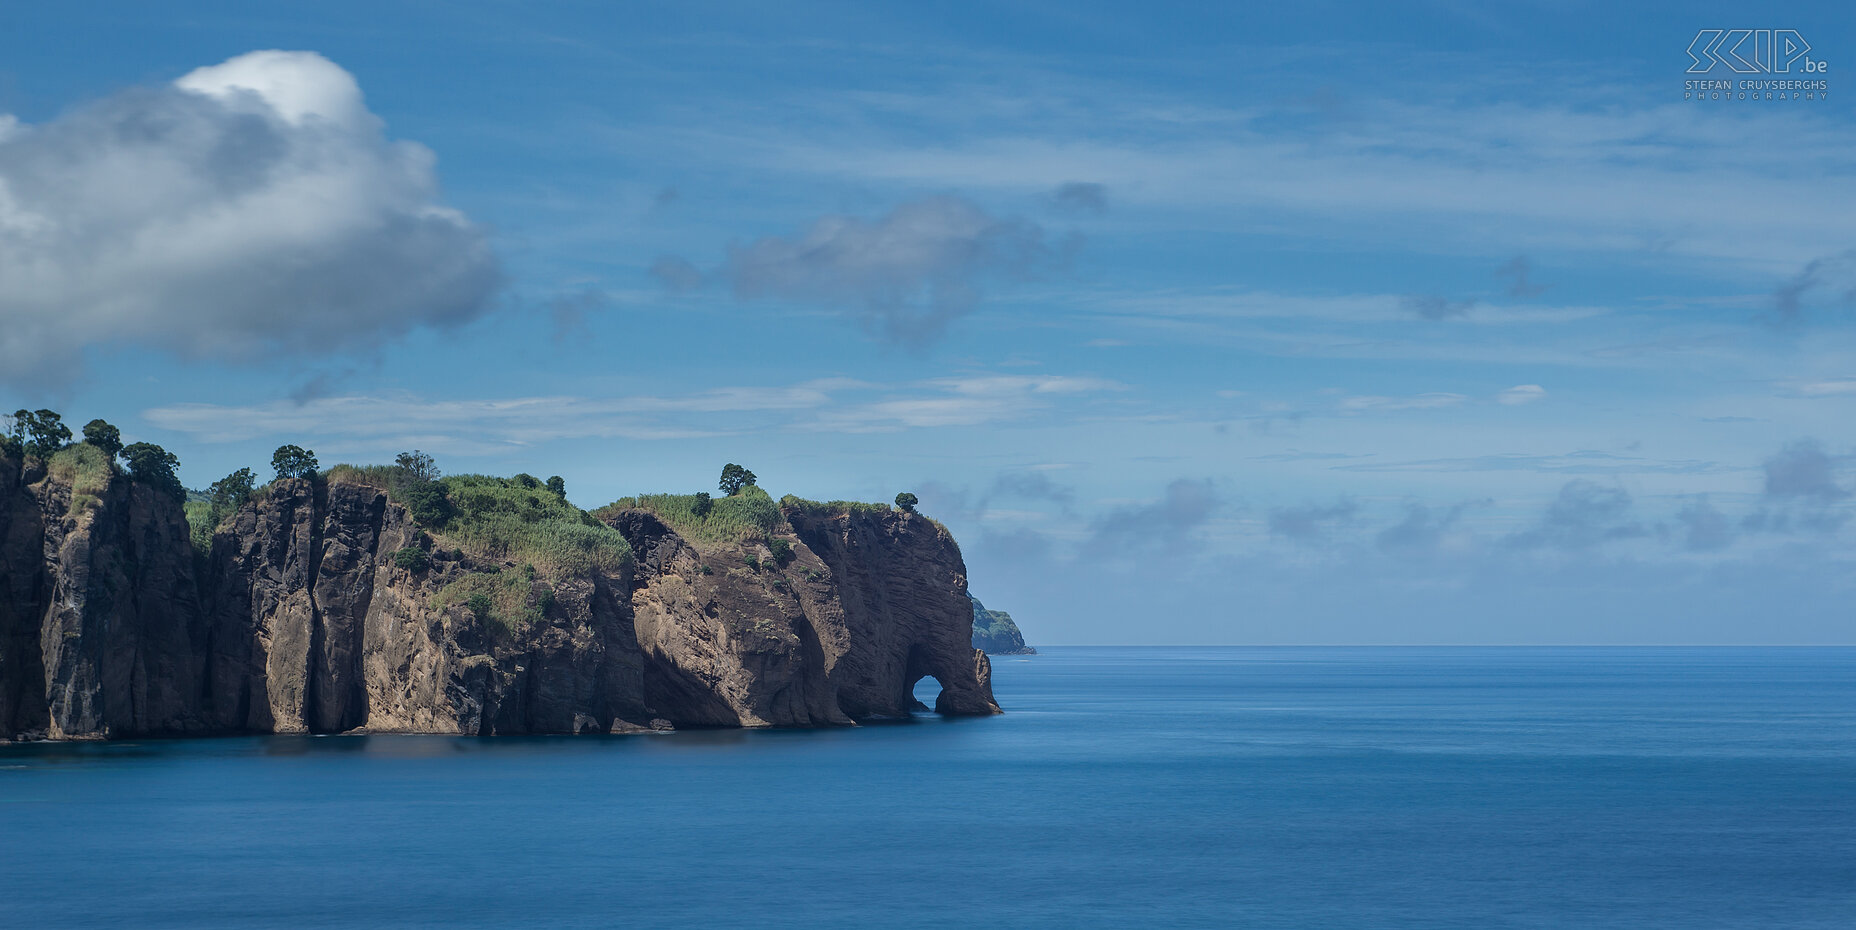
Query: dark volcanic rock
(726, 643)
(301, 620)
(110, 596)
(899, 592)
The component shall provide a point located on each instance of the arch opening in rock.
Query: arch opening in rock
(926, 691)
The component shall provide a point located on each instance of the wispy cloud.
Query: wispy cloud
(488, 425)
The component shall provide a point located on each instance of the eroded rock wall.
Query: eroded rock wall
(301, 619)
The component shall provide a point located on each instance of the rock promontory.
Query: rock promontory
(374, 600)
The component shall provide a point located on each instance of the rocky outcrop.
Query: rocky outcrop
(994, 633)
(899, 609)
(318, 628)
(727, 642)
(100, 593)
(321, 607)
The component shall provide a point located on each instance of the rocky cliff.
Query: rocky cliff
(995, 633)
(322, 606)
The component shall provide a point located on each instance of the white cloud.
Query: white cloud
(250, 208)
(1828, 388)
(490, 424)
(1521, 394)
(909, 273)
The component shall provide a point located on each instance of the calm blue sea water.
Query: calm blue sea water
(1283, 787)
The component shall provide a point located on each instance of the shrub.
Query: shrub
(753, 563)
(200, 526)
(507, 600)
(427, 501)
(907, 502)
(702, 505)
(104, 436)
(412, 559)
(480, 605)
(781, 549)
(292, 461)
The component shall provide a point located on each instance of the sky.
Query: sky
(1315, 323)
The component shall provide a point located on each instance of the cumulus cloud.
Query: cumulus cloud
(1803, 471)
(571, 311)
(1168, 522)
(249, 209)
(1422, 530)
(1583, 514)
(676, 274)
(1031, 486)
(907, 274)
(1080, 197)
(1704, 529)
(1312, 521)
(1517, 270)
(1436, 307)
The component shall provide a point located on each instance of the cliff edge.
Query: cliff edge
(324, 605)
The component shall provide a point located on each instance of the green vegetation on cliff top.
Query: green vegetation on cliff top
(515, 519)
(744, 517)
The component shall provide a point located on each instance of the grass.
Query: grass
(831, 508)
(500, 518)
(749, 516)
(502, 599)
(86, 470)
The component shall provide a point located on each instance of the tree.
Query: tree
(229, 493)
(427, 501)
(154, 466)
(104, 436)
(40, 432)
(293, 462)
(417, 465)
(526, 480)
(734, 478)
(558, 485)
(907, 502)
(703, 504)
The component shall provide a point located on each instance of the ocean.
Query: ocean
(1124, 787)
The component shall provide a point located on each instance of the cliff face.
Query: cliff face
(302, 619)
(995, 633)
(318, 628)
(899, 612)
(94, 638)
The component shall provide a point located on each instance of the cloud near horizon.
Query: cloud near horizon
(249, 210)
(487, 425)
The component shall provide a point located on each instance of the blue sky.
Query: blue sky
(1330, 322)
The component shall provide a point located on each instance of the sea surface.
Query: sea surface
(1125, 787)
